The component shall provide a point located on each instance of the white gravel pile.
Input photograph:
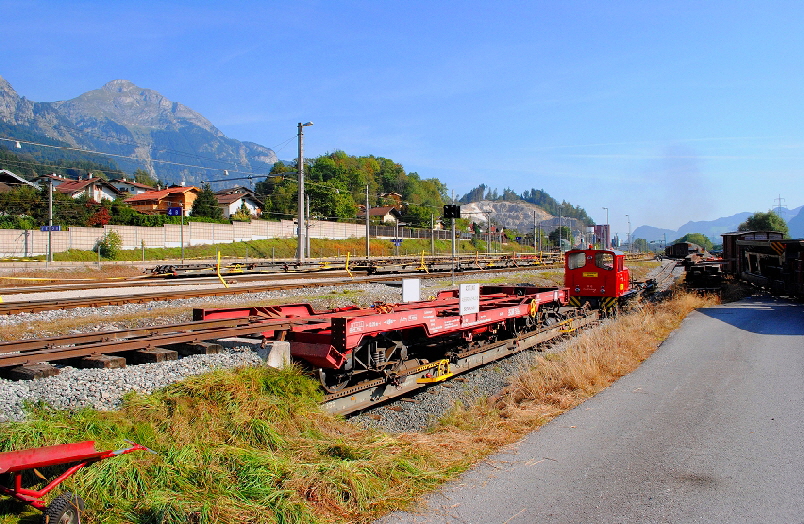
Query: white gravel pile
(103, 389)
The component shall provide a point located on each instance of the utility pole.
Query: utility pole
(307, 226)
(534, 232)
(540, 237)
(608, 235)
(368, 230)
(181, 205)
(453, 233)
(629, 233)
(432, 234)
(302, 244)
(49, 258)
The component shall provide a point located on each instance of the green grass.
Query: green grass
(248, 445)
(285, 248)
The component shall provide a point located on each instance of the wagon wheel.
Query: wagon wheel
(333, 380)
(65, 509)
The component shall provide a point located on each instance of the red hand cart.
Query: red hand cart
(67, 507)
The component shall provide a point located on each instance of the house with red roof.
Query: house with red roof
(96, 189)
(232, 200)
(131, 187)
(389, 214)
(158, 202)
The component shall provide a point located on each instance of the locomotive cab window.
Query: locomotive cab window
(576, 260)
(604, 261)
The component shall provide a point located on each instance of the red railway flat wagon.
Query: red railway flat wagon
(353, 339)
(596, 276)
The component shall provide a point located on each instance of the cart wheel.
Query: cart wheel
(65, 509)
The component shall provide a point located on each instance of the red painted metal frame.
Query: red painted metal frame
(82, 453)
(328, 339)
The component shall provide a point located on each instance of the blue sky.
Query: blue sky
(665, 111)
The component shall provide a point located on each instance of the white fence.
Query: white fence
(26, 243)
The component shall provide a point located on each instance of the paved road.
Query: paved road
(709, 429)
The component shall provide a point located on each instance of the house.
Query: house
(130, 187)
(396, 198)
(96, 189)
(44, 180)
(9, 181)
(233, 199)
(158, 202)
(389, 214)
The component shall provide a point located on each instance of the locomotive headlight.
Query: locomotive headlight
(602, 289)
(577, 289)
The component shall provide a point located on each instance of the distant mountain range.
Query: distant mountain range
(714, 228)
(142, 128)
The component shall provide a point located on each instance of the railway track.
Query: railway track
(35, 306)
(35, 358)
(129, 341)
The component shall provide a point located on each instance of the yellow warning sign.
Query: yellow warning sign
(590, 274)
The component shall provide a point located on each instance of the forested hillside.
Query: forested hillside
(336, 183)
(33, 161)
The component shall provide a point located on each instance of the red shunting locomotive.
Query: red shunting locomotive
(597, 277)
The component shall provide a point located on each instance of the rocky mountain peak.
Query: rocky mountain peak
(126, 104)
(142, 127)
(6, 88)
(119, 86)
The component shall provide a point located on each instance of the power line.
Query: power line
(140, 160)
(107, 138)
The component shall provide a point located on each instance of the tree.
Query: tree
(143, 177)
(769, 221)
(641, 245)
(696, 238)
(565, 233)
(243, 214)
(109, 245)
(206, 205)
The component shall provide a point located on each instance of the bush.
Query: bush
(17, 222)
(109, 245)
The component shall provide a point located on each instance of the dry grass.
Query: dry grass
(556, 383)
(639, 269)
(34, 277)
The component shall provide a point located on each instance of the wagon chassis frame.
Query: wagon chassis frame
(373, 392)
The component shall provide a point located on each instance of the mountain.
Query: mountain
(651, 233)
(517, 215)
(142, 128)
(796, 224)
(714, 228)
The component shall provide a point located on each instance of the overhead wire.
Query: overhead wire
(141, 160)
(162, 149)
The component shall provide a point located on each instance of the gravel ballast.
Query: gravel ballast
(103, 389)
